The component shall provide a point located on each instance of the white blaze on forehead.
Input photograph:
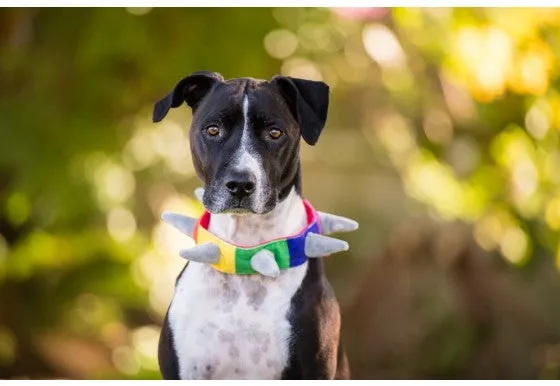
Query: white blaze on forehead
(247, 159)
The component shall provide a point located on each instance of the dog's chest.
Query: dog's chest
(232, 326)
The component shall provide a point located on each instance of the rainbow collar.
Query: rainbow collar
(288, 252)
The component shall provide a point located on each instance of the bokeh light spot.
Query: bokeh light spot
(280, 44)
(18, 208)
(125, 361)
(121, 224)
(138, 11)
(537, 120)
(114, 183)
(514, 245)
(552, 214)
(382, 45)
(438, 126)
(301, 68)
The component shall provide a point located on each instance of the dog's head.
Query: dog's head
(245, 135)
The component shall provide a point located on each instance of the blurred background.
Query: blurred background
(442, 141)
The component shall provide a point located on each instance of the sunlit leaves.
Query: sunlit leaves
(481, 57)
(462, 159)
(507, 55)
(430, 181)
(531, 69)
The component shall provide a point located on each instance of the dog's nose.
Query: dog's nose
(241, 184)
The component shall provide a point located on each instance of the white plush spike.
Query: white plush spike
(318, 245)
(207, 253)
(185, 224)
(264, 263)
(199, 193)
(331, 223)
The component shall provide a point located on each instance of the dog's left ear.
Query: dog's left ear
(308, 101)
(190, 89)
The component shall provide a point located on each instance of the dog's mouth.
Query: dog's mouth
(239, 208)
(238, 211)
(218, 204)
(230, 206)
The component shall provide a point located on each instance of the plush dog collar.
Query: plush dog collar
(288, 251)
(267, 258)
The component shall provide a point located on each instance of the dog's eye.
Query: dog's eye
(213, 130)
(275, 133)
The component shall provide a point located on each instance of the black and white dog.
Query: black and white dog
(244, 138)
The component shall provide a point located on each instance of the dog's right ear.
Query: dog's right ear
(309, 102)
(190, 89)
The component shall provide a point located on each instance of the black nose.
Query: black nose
(240, 184)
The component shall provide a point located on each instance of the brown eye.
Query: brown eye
(275, 133)
(213, 130)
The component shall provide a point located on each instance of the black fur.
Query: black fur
(315, 349)
(299, 108)
(296, 106)
(309, 104)
(167, 357)
(190, 90)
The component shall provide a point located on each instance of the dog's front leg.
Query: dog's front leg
(315, 342)
(167, 357)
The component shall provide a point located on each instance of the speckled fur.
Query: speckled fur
(236, 326)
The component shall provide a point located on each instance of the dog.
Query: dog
(245, 136)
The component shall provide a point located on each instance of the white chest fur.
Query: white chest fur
(236, 326)
(232, 327)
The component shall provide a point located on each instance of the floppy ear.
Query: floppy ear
(190, 89)
(308, 101)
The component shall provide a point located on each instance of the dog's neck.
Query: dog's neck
(286, 219)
